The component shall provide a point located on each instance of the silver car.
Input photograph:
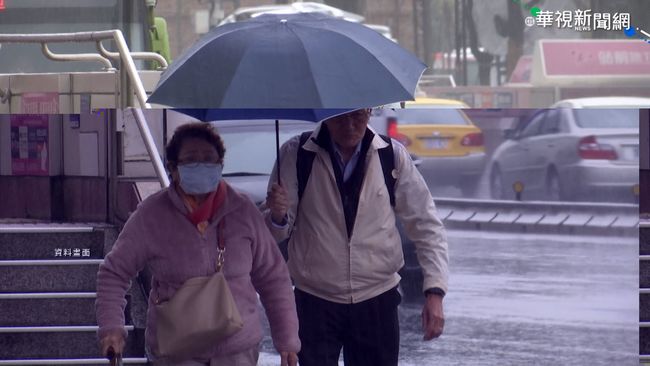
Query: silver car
(250, 151)
(570, 154)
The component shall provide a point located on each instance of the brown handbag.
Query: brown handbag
(201, 313)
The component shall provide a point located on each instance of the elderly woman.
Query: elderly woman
(174, 234)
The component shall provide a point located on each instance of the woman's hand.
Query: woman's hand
(113, 339)
(288, 359)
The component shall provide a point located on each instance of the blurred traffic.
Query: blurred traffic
(586, 149)
(563, 154)
(447, 144)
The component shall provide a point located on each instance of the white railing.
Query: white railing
(80, 361)
(49, 262)
(47, 295)
(125, 56)
(56, 329)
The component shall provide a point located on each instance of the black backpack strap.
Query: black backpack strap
(305, 159)
(387, 159)
(304, 162)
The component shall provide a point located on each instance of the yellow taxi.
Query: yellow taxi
(439, 134)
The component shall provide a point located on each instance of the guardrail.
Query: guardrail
(540, 217)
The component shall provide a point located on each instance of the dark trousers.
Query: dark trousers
(367, 331)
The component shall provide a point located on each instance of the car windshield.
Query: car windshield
(250, 145)
(424, 116)
(607, 118)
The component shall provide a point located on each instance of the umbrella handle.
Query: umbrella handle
(277, 147)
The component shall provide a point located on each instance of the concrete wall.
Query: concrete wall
(84, 152)
(136, 158)
(644, 139)
(644, 151)
(75, 92)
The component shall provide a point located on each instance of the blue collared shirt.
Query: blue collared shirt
(348, 168)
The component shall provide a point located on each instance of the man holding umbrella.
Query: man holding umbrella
(344, 247)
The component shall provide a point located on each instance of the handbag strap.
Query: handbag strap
(221, 246)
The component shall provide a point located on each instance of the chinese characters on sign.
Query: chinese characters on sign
(583, 20)
(602, 57)
(623, 58)
(40, 103)
(71, 252)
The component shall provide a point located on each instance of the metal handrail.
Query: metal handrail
(644, 358)
(151, 148)
(126, 59)
(113, 34)
(80, 361)
(34, 229)
(76, 57)
(644, 291)
(48, 295)
(644, 257)
(49, 262)
(644, 324)
(52, 329)
(136, 55)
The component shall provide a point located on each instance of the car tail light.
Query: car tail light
(393, 133)
(589, 148)
(472, 139)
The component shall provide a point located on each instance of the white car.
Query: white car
(298, 7)
(584, 149)
(604, 102)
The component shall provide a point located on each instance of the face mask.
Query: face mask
(199, 178)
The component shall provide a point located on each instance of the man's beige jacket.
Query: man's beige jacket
(323, 261)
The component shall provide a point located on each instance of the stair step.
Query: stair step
(47, 308)
(644, 305)
(49, 275)
(46, 245)
(79, 361)
(644, 272)
(644, 341)
(18, 343)
(644, 240)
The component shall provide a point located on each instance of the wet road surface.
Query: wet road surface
(529, 300)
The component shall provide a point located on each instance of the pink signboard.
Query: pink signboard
(40, 103)
(29, 136)
(596, 57)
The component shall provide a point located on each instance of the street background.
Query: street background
(529, 300)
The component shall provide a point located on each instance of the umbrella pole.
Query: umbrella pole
(277, 147)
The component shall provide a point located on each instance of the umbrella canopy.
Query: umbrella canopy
(311, 115)
(290, 61)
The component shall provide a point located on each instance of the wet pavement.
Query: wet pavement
(529, 300)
